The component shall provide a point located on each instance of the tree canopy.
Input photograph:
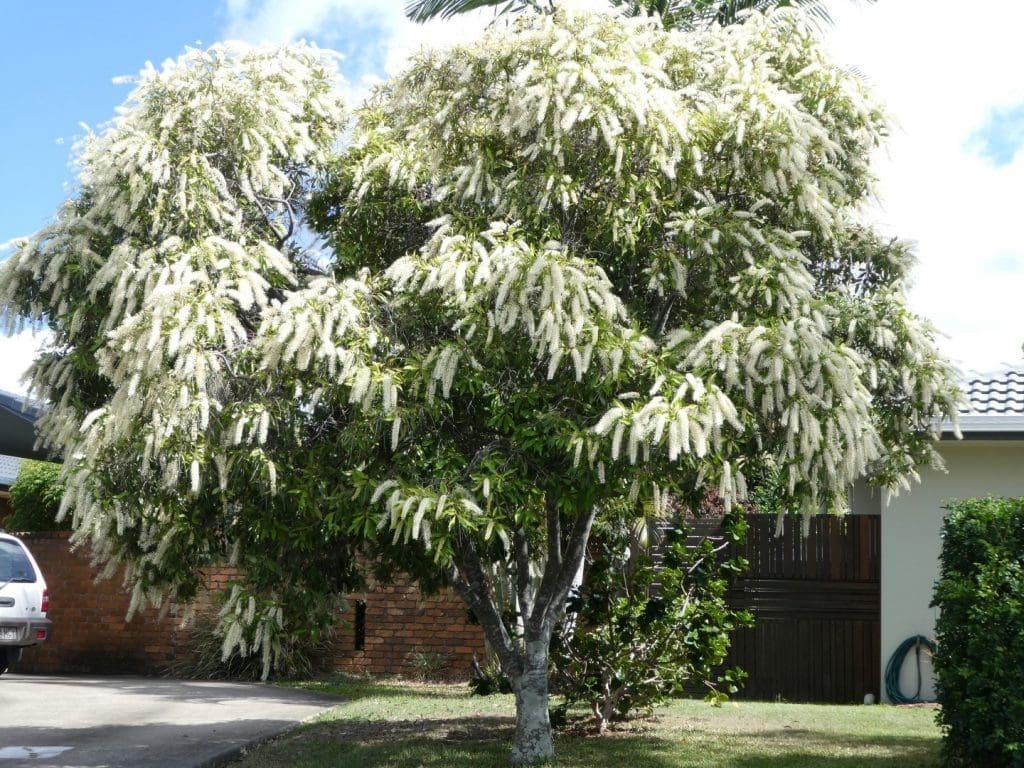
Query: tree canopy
(579, 263)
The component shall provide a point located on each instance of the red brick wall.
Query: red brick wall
(402, 624)
(90, 634)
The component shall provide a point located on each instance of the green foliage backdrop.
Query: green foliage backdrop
(641, 630)
(35, 497)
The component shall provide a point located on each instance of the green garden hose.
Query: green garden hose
(892, 669)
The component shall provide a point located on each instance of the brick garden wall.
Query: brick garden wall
(405, 632)
(90, 634)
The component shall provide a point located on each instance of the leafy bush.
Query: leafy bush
(35, 498)
(639, 632)
(980, 630)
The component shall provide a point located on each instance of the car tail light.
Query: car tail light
(46, 603)
(40, 634)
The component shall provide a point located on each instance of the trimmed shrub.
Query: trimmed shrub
(980, 631)
(35, 498)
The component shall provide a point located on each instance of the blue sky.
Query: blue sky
(58, 60)
(951, 178)
(1001, 136)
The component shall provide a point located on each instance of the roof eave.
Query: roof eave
(987, 426)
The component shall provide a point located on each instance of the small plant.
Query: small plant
(639, 632)
(200, 656)
(980, 659)
(488, 679)
(426, 665)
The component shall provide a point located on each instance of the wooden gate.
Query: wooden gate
(816, 605)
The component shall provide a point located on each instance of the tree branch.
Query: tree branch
(554, 534)
(557, 581)
(522, 553)
(666, 312)
(473, 585)
(282, 238)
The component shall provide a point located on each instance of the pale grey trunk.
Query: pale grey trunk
(541, 606)
(533, 743)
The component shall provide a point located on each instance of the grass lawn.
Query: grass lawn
(399, 724)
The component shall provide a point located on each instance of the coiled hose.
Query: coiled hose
(892, 669)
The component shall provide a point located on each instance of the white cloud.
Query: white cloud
(18, 352)
(941, 74)
(389, 38)
(331, 22)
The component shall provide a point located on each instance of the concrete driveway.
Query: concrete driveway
(68, 722)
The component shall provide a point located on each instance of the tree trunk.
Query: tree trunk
(533, 744)
(526, 667)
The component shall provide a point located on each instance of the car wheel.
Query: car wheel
(3, 660)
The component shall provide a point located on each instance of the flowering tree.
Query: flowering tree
(155, 279)
(577, 264)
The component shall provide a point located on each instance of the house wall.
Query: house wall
(865, 499)
(911, 540)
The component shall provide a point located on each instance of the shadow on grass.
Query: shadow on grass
(467, 742)
(481, 729)
(893, 741)
(355, 688)
(463, 741)
(483, 741)
(917, 758)
(796, 748)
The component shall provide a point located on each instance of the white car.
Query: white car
(24, 601)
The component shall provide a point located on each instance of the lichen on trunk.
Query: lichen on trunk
(533, 742)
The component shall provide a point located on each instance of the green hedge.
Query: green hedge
(35, 498)
(980, 630)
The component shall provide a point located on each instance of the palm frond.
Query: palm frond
(696, 13)
(685, 14)
(424, 10)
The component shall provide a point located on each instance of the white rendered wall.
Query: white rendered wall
(865, 499)
(911, 528)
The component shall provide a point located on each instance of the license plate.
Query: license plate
(9, 633)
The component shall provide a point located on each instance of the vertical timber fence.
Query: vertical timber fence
(816, 606)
